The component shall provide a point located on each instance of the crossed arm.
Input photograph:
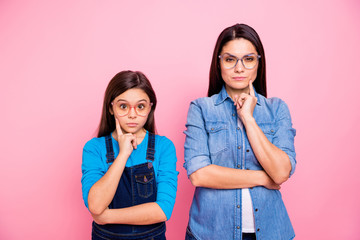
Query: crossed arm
(275, 162)
(103, 191)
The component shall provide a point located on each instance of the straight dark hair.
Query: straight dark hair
(119, 84)
(235, 32)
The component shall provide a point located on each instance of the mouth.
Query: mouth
(131, 124)
(238, 78)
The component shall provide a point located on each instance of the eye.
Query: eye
(141, 106)
(123, 106)
(230, 59)
(249, 59)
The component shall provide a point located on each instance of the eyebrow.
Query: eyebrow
(242, 56)
(123, 100)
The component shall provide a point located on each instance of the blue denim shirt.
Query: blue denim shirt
(215, 136)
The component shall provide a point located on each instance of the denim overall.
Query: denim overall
(137, 185)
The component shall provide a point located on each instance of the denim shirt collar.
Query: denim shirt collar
(223, 95)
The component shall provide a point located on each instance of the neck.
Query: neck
(232, 92)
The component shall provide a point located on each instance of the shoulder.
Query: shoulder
(163, 142)
(274, 104)
(95, 144)
(203, 101)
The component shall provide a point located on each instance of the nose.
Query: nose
(239, 67)
(132, 112)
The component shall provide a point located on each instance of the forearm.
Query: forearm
(103, 191)
(143, 214)
(275, 162)
(218, 177)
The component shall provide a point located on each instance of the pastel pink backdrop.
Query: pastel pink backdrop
(56, 58)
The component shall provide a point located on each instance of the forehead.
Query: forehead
(133, 95)
(239, 47)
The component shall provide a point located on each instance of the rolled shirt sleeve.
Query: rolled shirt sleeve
(285, 134)
(196, 153)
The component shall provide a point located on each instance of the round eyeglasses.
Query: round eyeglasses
(141, 109)
(248, 61)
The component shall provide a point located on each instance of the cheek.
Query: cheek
(253, 74)
(225, 74)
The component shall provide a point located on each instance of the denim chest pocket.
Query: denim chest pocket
(144, 184)
(218, 137)
(269, 130)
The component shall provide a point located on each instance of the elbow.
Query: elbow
(163, 218)
(95, 210)
(195, 179)
(281, 177)
(283, 173)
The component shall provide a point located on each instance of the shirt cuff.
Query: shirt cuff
(293, 164)
(196, 163)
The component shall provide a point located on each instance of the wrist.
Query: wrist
(248, 120)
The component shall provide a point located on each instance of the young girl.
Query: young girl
(129, 177)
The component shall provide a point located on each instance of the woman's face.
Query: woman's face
(238, 78)
(131, 108)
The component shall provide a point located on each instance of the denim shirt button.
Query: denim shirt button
(247, 150)
(258, 229)
(238, 128)
(238, 166)
(233, 114)
(238, 206)
(238, 227)
(239, 147)
(256, 209)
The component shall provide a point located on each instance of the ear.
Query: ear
(110, 109)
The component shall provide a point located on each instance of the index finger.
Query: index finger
(118, 128)
(252, 92)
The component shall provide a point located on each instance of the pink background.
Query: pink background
(56, 58)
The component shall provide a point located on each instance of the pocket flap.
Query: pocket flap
(144, 178)
(212, 127)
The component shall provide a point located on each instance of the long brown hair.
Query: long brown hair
(234, 32)
(120, 83)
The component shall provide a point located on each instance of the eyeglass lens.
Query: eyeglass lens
(141, 109)
(248, 61)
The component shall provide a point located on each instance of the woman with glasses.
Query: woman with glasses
(129, 177)
(239, 147)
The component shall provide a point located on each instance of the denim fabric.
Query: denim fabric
(157, 233)
(95, 164)
(215, 135)
(189, 235)
(137, 185)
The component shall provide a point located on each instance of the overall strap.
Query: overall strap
(110, 156)
(150, 152)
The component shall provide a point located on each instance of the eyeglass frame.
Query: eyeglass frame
(133, 106)
(237, 59)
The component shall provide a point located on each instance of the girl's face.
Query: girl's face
(131, 108)
(238, 78)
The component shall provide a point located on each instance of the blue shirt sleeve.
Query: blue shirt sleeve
(166, 176)
(196, 153)
(93, 167)
(285, 134)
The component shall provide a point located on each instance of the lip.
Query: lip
(131, 124)
(239, 78)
